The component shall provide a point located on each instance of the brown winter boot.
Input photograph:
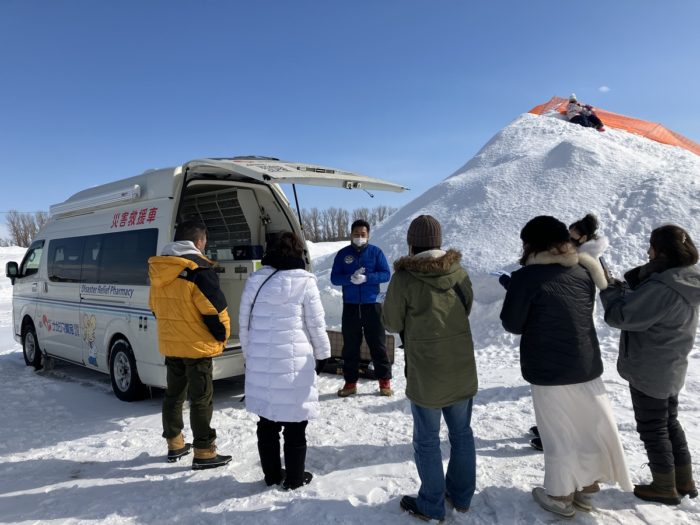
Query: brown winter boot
(385, 387)
(177, 448)
(208, 458)
(685, 485)
(349, 389)
(662, 489)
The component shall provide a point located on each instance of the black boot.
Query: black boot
(294, 460)
(270, 463)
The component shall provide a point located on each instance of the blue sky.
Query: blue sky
(406, 90)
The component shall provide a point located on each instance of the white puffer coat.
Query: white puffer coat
(287, 333)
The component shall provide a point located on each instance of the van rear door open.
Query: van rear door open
(282, 172)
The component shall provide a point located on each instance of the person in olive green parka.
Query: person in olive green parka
(428, 302)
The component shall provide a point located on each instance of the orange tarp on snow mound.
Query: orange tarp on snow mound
(650, 130)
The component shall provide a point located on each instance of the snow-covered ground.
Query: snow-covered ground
(70, 452)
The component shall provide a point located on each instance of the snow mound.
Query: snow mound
(540, 165)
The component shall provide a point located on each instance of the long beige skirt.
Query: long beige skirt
(579, 436)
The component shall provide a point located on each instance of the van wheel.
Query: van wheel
(122, 370)
(30, 347)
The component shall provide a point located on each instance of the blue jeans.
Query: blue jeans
(460, 482)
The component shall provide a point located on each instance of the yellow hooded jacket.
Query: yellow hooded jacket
(189, 306)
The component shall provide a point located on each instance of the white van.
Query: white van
(81, 292)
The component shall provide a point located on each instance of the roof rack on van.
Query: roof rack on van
(253, 157)
(98, 201)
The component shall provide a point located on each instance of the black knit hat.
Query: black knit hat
(424, 231)
(544, 232)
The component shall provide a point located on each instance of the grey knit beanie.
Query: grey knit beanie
(424, 231)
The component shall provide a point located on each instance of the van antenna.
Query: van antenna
(368, 193)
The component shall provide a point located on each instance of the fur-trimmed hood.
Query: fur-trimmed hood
(439, 271)
(425, 264)
(595, 247)
(569, 259)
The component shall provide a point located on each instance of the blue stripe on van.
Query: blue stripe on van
(92, 306)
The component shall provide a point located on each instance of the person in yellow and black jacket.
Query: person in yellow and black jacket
(193, 326)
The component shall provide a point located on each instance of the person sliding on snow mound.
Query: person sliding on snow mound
(583, 114)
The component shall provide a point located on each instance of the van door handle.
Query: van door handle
(35, 287)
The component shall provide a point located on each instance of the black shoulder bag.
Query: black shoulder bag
(250, 315)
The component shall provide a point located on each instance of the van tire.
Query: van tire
(30, 347)
(122, 371)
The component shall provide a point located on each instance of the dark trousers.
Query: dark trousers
(661, 432)
(294, 451)
(195, 376)
(587, 121)
(367, 319)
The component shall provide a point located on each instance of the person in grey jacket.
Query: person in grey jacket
(657, 311)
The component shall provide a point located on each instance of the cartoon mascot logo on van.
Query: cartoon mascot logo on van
(88, 328)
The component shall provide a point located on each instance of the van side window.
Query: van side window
(123, 256)
(30, 263)
(110, 258)
(91, 254)
(65, 259)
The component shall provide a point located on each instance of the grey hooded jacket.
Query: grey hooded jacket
(658, 320)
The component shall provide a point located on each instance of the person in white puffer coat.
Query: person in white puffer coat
(284, 340)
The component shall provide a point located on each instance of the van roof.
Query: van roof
(160, 184)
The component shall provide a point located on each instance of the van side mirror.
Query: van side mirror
(12, 271)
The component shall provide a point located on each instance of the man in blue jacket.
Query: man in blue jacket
(360, 268)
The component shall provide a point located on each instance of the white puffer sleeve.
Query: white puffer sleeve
(315, 320)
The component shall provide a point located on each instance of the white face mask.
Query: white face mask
(359, 241)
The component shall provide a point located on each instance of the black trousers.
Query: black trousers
(660, 430)
(367, 319)
(294, 450)
(587, 121)
(193, 376)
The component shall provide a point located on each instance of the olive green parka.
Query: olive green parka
(422, 305)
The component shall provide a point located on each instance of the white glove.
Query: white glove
(358, 278)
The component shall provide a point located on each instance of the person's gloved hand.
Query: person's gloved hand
(320, 365)
(504, 280)
(358, 278)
